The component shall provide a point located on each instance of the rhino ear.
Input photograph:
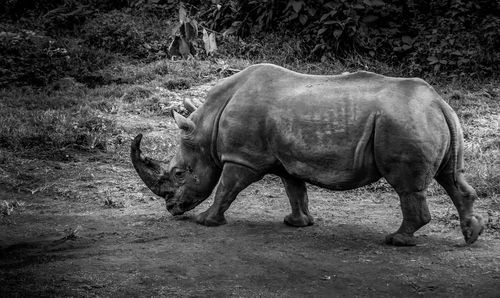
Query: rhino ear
(184, 123)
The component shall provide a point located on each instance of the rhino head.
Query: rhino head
(188, 179)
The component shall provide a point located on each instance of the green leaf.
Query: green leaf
(406, 39)
(213, 44)
(332, 22)
(432, 60)
(292, 17)
(297, 5)
(206, 41)
(332, 5)
(324, 17)
(322, 30)
(303, 19)
(182, 14)
(337, 33)
(190, 31)
(209, 42)
(229, 31)
(311, 11)
(176, 29)
(369, 19)
(318, 47)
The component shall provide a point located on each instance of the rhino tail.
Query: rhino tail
(456, 141)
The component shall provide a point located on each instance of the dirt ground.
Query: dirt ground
(84, 225)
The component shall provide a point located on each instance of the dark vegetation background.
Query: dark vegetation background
(42, 41)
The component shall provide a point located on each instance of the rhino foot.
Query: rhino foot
(299, 221)
(206, 219)
(397, 239)
(472, 227)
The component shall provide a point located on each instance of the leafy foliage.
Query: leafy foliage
(116, 32)
(77, 37)
(451, 36)
(184, 34)
(29, 58)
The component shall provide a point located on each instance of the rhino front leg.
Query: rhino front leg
(233, 180)
(415, 215)
(297, 194)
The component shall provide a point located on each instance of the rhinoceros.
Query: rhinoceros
(338, 132)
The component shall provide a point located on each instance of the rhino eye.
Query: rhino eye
(189, 169)
(178, 173)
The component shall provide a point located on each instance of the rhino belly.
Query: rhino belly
(332, 170)
(336, 154)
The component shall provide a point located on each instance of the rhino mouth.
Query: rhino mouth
(181, 202)
(174, 209)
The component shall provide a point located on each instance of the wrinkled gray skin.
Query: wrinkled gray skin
(338, 132)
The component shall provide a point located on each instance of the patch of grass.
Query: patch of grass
(156, 104)
(33, 120)
(136, 93)
(177, 84)
(53, 129)
(181, 72)
(30, 98)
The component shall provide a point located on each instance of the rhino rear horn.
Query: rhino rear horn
(183, 123)
(189, 105)
(151, 171)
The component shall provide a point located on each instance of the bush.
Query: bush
(30, 58)
(143, 36)
(116, 32)
(451, 36)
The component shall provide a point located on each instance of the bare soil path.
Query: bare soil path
(88, 227)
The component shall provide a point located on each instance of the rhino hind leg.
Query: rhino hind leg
(415, 215)
(463, 197)
(297, 194)
(234, 179)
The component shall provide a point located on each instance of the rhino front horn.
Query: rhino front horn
(151, 171)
